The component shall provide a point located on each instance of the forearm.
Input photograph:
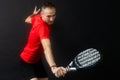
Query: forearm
(49, 57)
(28, 19)
(58, 71)
(48, 52)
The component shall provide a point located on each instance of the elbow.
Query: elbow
(28, 20)
(25, 21)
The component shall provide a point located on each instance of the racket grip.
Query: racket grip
(70, 69)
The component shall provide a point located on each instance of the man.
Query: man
(39, 43)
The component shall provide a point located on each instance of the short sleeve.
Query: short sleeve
(33, 20)
(44, 31)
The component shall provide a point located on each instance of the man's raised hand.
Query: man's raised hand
(36, 11)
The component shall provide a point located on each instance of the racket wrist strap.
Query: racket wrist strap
(53, 66)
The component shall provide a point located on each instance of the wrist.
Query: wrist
(32, 15)
(53, 66)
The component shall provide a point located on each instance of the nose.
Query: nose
(51, 19)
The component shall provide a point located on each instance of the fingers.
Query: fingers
(36, 11)
(64, 70)
(35, 8)
(60, 72)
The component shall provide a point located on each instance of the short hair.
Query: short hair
(47, 5)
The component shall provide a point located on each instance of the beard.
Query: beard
(50, 23)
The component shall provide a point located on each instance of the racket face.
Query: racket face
(87, 58)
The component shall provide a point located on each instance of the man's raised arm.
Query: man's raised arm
(35, 12)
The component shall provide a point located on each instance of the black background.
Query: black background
(80, 24)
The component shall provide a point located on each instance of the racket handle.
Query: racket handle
(71, 69)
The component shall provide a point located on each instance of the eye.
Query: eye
(48, 16)
(54, 15)
(51, 16)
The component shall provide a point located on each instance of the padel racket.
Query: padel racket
(84, 59)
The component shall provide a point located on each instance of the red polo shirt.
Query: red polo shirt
(33, 49)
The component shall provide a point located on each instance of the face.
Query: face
(48, 15)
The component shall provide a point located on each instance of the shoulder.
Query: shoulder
(36, 16)
(36, 19)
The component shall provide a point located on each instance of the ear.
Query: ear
(41, 12)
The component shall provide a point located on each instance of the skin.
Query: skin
(48, 15)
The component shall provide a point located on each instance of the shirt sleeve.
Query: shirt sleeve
(44, 31)
(33, 19)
